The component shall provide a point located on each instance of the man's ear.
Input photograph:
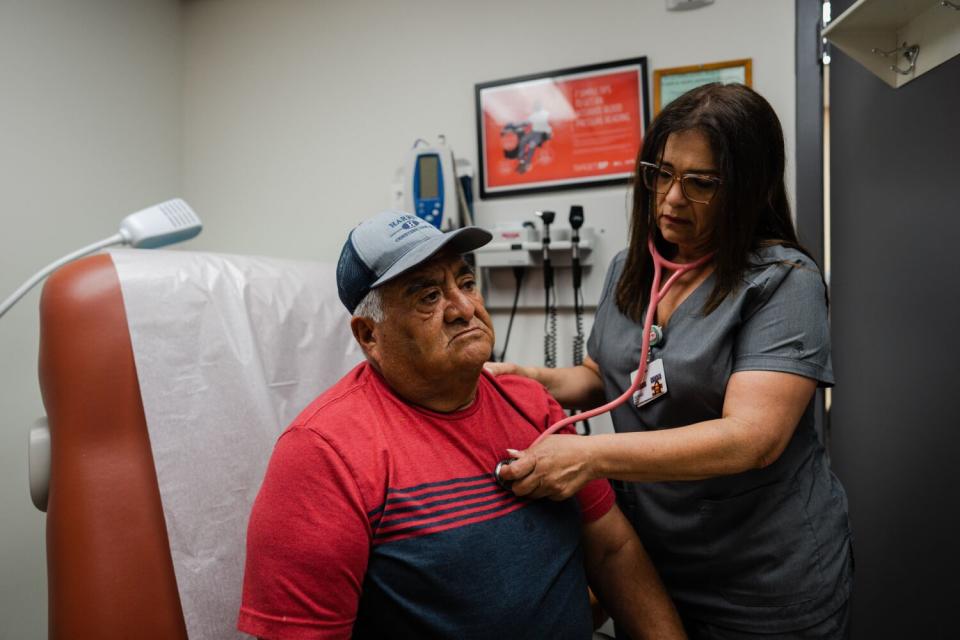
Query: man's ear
(364, 332)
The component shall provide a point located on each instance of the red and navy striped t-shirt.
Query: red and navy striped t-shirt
(380, 519)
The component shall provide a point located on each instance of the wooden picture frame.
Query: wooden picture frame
(668, 84)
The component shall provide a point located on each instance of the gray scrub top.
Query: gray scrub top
(767, 550)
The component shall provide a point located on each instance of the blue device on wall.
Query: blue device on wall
(428, 189)
(431, 189)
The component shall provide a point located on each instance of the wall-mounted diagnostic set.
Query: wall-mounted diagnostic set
(522, 245)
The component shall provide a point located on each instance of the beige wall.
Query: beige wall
(89, 131)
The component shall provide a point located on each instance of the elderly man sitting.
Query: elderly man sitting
(379, 515)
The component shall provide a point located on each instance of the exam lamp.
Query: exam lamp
(157, 226)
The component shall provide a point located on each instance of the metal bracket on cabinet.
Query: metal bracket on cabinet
(908, 52)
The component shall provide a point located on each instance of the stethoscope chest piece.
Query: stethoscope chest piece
(504, 484)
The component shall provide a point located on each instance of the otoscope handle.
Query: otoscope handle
(576, 221)
(575, 257)
(547, 218)
(576, 216)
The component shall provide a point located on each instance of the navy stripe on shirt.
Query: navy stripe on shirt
(432, 514)
(511, 501)
(475, 482)
(472, 495)
(403, 513)
(440, 483)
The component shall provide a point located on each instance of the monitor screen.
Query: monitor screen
(428, 169)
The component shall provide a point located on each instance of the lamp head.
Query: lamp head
(162, 224)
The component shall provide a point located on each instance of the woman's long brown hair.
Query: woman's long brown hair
(746, 139)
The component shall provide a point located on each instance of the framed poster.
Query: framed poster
(669, 84)
(562, 129)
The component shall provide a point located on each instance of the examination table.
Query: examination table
(166, 377)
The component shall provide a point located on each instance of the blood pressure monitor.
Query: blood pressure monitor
(431, 189)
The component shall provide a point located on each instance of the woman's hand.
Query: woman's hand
(556, 468)
(502, 368)
(576, 387)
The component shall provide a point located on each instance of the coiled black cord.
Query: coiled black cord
(550, 305)
(518, 273)
(550, 332)
(578, 341)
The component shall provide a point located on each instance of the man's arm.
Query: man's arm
(307, 545)
(625, 581)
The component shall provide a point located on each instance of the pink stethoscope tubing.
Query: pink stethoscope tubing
(656, 295)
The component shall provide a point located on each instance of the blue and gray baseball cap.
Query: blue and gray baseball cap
(391, 243)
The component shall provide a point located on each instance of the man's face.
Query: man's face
(434, 324)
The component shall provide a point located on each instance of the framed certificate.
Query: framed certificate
(669, 84)
(562, 129)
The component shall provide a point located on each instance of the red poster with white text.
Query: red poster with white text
(563, 130)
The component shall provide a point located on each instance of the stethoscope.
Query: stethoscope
(656, 295)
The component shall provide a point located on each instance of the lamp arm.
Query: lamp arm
(53, 266)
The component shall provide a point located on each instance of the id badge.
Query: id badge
(653, 387)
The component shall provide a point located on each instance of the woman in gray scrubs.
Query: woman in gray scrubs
(721, 472)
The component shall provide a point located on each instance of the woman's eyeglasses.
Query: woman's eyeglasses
(696, 187)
